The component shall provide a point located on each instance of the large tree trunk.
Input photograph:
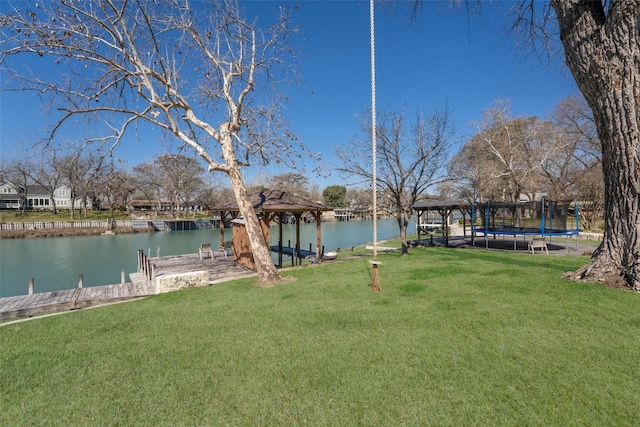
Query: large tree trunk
(54, 208)
(72, 205)
(402, 220)
(603, 53)
(267, 271)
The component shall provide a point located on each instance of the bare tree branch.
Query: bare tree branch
(411, 158)
(197, 71)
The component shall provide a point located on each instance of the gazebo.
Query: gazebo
(444, 208)
(270, 205)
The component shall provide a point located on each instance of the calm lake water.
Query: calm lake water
(55, 262)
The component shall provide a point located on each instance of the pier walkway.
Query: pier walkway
(71, 299)
(291, 252)
(219, 268)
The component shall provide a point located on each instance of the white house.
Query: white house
(38, 197)
(10, 196)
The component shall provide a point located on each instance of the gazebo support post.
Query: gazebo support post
(444, 213)
(223, 215)
(280, 219)
(295, 259)
(464, 221)
(317, 215)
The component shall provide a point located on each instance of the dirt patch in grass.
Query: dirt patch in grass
(283, 281)
(616, 282)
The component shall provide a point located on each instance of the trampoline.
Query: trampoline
(545, 218)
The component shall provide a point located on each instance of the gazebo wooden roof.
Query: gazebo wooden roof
(437, 205)
(276, 203)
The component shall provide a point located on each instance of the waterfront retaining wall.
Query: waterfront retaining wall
(175, 282)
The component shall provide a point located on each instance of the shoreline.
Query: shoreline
(61, 232)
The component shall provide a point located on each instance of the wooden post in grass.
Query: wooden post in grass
(376, 278)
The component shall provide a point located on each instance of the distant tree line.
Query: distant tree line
(170, 179)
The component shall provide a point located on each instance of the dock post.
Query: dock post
(31, 286)
(122, 276)
(80, 281)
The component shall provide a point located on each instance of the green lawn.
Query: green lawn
(457, 337)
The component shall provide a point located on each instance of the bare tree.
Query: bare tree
(411, 158)
(147, 183)
(573, 140)
(207, 198)
(589, 184)
(174, 178)
(43, 172)
(291, 182)
(359, 198)
(180, 179)
(116, 186)
(193, 70)
(466, 171)
(81, 173)
(510, 157)
(575, 118)
(18, 172)
(49, 175)
(508, 153)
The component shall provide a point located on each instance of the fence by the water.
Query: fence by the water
(156, 225)
(40, 225)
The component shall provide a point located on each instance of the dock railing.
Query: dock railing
(145, 266)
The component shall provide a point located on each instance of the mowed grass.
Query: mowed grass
(457, 337)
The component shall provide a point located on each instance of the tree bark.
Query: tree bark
(602, 50)
(267, 271)
(401, 218)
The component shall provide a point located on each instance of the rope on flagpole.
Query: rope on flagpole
(376, 281)
(373, 131)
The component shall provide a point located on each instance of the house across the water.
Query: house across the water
(37, 197)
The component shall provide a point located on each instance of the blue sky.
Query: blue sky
(442, 57)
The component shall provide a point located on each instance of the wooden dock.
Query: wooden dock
(290, 252)
(219, 268)
(71, 299)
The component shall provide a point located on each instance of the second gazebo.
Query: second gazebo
(269, 206)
